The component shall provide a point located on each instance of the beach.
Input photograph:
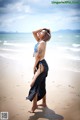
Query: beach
(62, 83)
(63, 92)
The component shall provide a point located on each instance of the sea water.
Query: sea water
(61, 47)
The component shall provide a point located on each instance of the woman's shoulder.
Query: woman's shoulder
(42, 42)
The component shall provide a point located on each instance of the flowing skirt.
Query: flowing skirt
(39, 86)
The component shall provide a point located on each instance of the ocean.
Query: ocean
(63, 49)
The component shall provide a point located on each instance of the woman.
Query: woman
(38, 89)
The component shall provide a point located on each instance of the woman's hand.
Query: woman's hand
(34, 69)
(31, 84)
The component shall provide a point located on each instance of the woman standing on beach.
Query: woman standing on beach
(38, 89)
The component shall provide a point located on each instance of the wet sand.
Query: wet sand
(63, 93)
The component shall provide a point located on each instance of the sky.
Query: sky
(29, 15)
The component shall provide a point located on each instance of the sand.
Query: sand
(63, 92)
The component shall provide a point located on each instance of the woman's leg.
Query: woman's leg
(38, 72)
(43, 102)
(34, 106)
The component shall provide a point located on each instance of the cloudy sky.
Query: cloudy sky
(28, 15)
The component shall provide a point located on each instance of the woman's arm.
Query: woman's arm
(38, 72)
(35, 34)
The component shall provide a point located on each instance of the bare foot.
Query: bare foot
(43, 104)
(33, 109)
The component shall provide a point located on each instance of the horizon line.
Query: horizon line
(31, 32)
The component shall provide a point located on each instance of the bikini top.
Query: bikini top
(36, 48)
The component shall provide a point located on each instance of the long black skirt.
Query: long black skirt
(39, 86)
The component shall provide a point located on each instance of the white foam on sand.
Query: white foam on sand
(23, 45)
(10, 50)
(75, 45)
(56, 56)
(21, 52)
(60, 59)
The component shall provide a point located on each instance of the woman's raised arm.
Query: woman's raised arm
(35, 34)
